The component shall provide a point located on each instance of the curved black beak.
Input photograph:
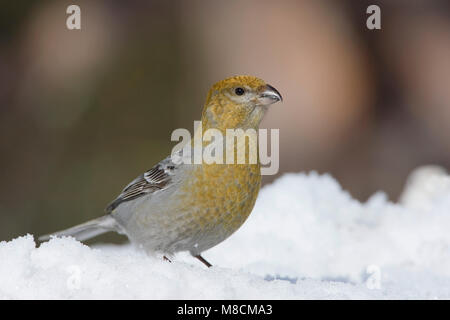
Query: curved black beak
(275, 91)
(269, 95)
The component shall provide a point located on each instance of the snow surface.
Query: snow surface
(306, 239)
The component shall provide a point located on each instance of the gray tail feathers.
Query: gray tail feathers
(87, 230)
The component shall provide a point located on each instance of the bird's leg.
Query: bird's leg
(166, 259)
(206, 263)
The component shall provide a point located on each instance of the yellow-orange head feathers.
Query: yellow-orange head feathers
(238, 102)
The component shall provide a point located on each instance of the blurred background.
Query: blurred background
(83, 112)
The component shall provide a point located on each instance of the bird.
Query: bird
(177, 206)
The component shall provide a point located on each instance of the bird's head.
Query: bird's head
(238, 102)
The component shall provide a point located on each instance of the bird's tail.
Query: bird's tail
(87, 230)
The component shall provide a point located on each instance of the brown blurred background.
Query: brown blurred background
(82, 112)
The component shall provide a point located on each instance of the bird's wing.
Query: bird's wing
(157, 178)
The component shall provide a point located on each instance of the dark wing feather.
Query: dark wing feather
(157, 178)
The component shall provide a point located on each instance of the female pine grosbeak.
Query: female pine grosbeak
(192, 207)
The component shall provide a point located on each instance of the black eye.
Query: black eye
(239, 91)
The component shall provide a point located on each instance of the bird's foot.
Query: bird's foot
(203, 260)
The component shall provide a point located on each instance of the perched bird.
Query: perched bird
(192, 207)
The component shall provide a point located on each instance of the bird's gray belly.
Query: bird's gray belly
(150, 223)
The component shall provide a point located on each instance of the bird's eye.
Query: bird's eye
(239, 91)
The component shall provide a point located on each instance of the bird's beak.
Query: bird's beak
(268, 95)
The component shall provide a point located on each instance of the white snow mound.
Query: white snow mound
(306, 239)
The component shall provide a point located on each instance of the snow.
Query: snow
(306, 239)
